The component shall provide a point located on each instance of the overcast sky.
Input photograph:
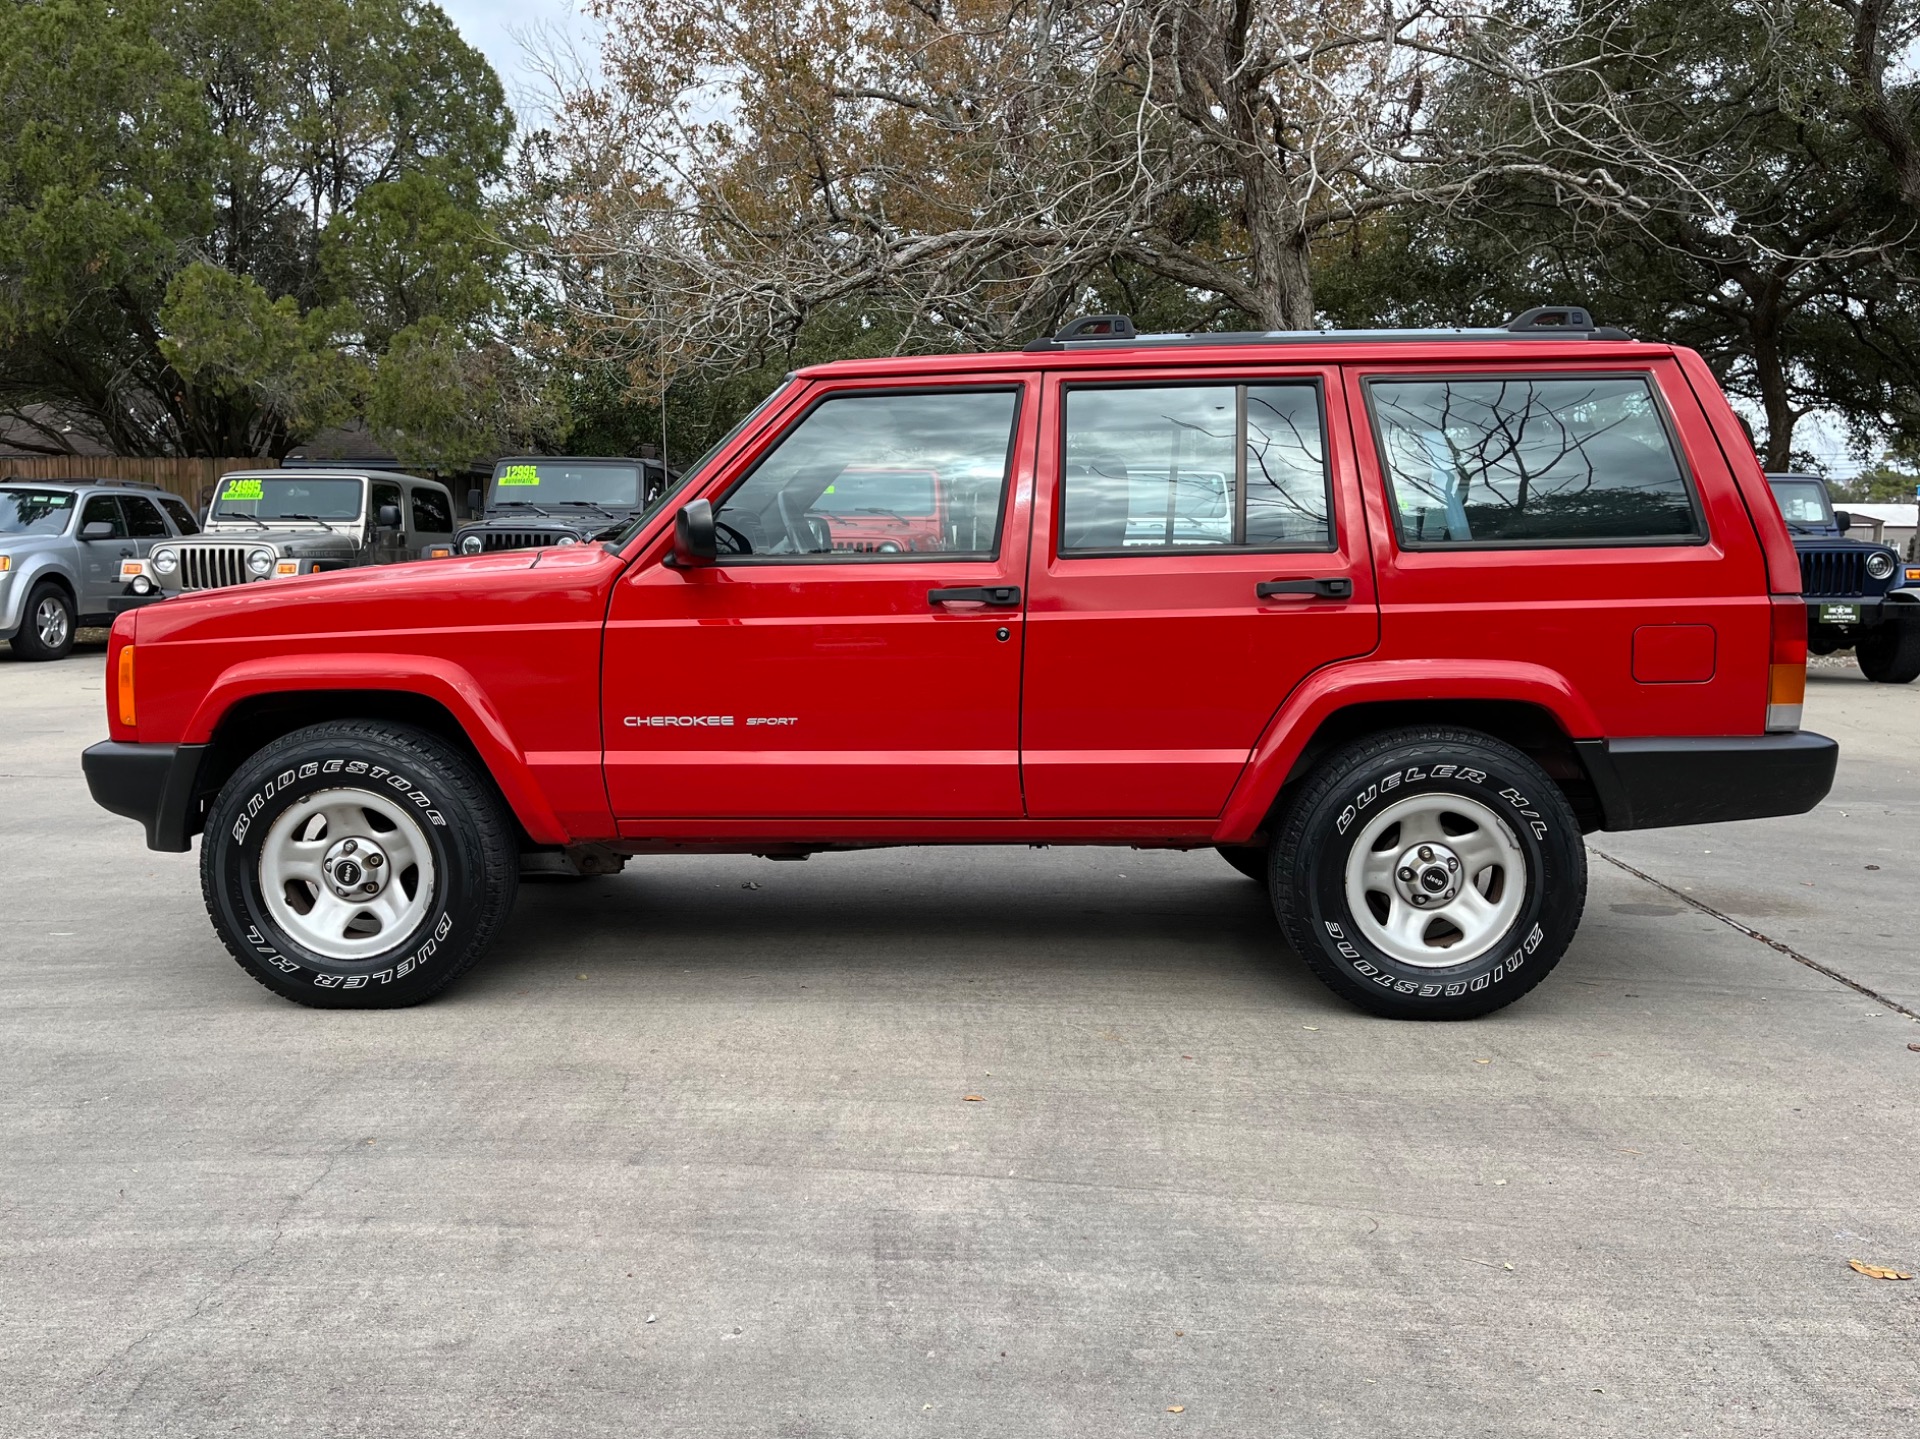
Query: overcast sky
(496, 27)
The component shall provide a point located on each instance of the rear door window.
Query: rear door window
(1539, 460)
(431, 513)
(1194, 467)
(181, 516)
(143, 520)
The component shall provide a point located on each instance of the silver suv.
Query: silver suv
(265, 524)
(67, 548)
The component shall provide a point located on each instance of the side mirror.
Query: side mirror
(473, 502)
(388, 517)
(97, 530)
(1843, 519)
(695, 540)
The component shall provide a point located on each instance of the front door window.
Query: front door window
(879, 475)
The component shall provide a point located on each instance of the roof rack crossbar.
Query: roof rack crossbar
(1546, 322)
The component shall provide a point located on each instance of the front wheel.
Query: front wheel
(1430, 874)
(358, 865)
(1889, 654)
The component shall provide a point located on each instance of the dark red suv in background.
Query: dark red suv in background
(1389, 619)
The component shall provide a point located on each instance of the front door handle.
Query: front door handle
(980, 595)
(1339, 588)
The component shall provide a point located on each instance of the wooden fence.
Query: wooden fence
(189, 479)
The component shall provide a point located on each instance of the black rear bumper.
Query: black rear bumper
(157, 784)
(1653, 783)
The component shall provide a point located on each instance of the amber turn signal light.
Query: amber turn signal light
(123, 687)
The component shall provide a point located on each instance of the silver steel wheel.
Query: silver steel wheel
(51, 622)
(1436, 879)
(347, 873)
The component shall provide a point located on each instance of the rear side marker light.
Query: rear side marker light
(1787, 664)
(123, 687)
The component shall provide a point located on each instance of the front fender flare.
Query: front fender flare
(34, 568)
(442, 681)
(1368, 681)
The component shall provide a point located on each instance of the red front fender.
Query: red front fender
(446, 683)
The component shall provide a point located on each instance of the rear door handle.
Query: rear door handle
(1339, 588)
(980, 595)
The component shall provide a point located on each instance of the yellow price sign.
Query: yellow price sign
(242, 490)
(520, 475)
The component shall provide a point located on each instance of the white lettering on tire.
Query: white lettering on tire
(418, 797)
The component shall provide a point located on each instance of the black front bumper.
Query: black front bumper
(1653, 783)
(157, 784)
(120, 604)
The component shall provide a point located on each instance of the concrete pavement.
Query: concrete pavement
(691, 1154)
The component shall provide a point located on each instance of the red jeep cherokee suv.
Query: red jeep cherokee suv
(1388, 619)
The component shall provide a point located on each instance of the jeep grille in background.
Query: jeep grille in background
(518, 539)
(1834, 572)
(212, 567)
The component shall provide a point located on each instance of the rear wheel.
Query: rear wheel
(1249, 859)
(1430, 874)
(358, 865)
(46, 629)
(1889, 654)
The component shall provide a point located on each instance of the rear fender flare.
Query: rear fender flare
(1328, 691)
(448, 684)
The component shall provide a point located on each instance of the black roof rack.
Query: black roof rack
(99, 481)
(1117, 331)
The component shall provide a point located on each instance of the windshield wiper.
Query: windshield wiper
(521, 505)
(890, 514)
(592, 506)
(234, 515)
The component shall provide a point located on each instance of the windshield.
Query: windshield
(1802, 502)
(34, 512)
(264, 497)
(541, 483)
(892, 492)
(693, 472)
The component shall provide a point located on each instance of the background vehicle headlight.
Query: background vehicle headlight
(471, 545)
(261, 562)
(1880, 564)
(164, 562)
(566, 540)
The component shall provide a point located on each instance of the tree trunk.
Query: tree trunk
(1771, 373)
(1278, 252)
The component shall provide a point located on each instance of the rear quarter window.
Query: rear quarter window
(1531, 460)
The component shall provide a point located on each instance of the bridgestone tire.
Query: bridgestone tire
(1890, 654)
(1250, 860)
(431, 798)
(27, 644)
(1315, 863)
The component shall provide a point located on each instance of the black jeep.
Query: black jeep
(537, 500)
(1853, 589)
